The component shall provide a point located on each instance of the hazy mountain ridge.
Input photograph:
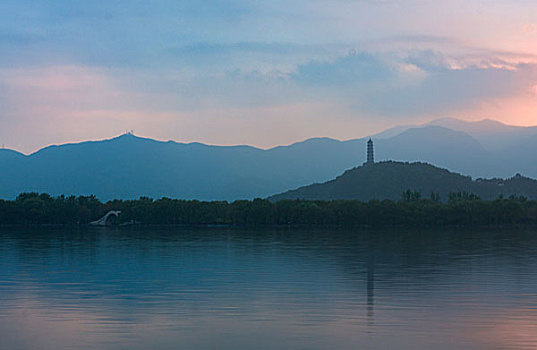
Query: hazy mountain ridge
(388, 180)
(129, 166)
(440, 146)
(492, 134)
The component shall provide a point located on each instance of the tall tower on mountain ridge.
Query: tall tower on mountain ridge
(370, 152)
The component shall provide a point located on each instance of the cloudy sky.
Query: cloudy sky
(259, 72)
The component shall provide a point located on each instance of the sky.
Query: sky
(263, 73)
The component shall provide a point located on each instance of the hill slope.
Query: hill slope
(388, 180)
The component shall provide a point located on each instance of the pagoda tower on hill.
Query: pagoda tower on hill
(370, 152)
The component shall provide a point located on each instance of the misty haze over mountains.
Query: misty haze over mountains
(130, 166)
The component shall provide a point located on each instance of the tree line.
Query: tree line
(461, 209)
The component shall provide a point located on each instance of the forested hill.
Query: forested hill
(389, 180)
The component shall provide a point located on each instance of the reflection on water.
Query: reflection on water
(180, 288)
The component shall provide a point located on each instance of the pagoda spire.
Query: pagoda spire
(370, 152)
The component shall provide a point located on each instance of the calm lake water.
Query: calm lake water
(267, 289)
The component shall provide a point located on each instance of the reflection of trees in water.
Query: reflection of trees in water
(370, 259)
(37, 243)
(424, 259)
(350, 250)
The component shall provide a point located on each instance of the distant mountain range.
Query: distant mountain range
(389, 180)
(129, 166)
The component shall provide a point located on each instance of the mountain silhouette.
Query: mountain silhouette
(129, 166)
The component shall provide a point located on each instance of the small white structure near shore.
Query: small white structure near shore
(104, 220)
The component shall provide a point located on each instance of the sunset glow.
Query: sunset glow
(207, 72)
